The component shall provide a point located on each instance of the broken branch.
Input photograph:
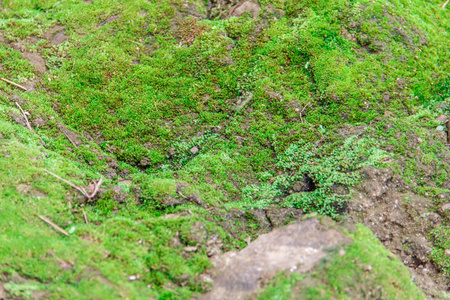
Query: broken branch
(15, 84)
(78, 188)
(56, 227)
(29, 125)
(97, 186)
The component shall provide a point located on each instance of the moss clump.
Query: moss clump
(158, 94)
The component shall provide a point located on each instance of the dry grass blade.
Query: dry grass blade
(15, 84)
(29, 125)
(85, 217)
(97, 186)
(445, 4)
(68, 137)
(56, 227)
(80, 189)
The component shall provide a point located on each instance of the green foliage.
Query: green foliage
(146, 100)
(339, 167)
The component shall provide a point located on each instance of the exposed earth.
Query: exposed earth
(224, 149)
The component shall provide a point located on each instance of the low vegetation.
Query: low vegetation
(198, 120)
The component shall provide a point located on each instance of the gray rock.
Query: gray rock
(194, 150)
(297, 247)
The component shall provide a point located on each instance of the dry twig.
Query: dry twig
(15, 84)
(80, 189)
(85, 217)
(29, 125)
(68, 137)
(56, 227)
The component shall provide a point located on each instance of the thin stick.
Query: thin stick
(85, 217)
(445, 4)
(80, 189)
(139, 44)
(54, 225)
(171, 290)
(29, 125)
(97, 186)
(68, 137)
(15, 84)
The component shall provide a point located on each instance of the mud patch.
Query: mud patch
(30, 85)
(297, 247)
(55, 35)
(59, 38)
(36, 60)
(401, 220)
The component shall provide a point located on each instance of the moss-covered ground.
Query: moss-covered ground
(153, 95)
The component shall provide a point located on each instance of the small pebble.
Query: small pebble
(132, 278)
(194, 150)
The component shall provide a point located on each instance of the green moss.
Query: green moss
(244, 92)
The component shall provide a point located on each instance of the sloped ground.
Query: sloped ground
(211, 123)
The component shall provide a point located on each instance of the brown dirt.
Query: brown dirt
(35, 58)
(55, 35)
(401, 220)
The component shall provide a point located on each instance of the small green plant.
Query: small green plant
(327, 171)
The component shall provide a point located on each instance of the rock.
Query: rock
(297, 247)
(132, 278)
(190, 249)
(367, 268)
(2, 292)
(247, 6)
(194, 150)
(445, 206)
(442, 118)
